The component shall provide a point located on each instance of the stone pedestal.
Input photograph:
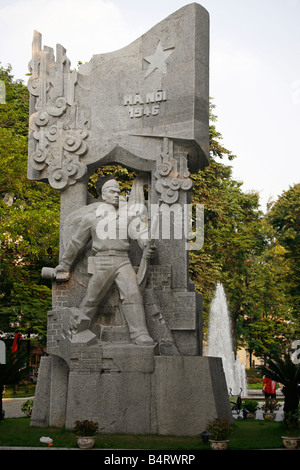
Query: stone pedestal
(141, 394)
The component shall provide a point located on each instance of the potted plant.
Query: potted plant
(85, 433)
(249, 408)
(219, 431)
(291, 440)
(269, 407)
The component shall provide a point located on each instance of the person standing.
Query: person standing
(269, 388)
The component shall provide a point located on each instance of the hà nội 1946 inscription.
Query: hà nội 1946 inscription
(147, 105)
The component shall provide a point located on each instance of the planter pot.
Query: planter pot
(291, 442)
(85, 442)
(218, 445)
(269, 416)
(251, 415)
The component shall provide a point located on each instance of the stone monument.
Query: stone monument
(124, 337)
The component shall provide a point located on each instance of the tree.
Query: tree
(14, 112)
(232, 231)
(29, 220)
(269, 325)
(14, 371)
(284, 216)
(244, 250)
(272, 320)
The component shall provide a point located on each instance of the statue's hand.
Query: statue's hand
(62, 274)
(149, 251)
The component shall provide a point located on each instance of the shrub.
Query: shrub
(270, 405)
(250, 405)
(27, 407)
(85, 428)
(219, 430)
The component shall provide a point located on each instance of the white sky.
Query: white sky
(254, 67)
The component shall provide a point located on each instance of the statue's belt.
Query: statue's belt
(112, 253)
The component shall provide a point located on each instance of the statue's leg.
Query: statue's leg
(132, 305)
(100, 282)
(99, 285)
(135, 318)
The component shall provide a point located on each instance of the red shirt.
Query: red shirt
(269, 385)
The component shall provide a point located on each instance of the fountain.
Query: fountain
(220, 343)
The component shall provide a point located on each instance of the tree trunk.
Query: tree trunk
(291, 398)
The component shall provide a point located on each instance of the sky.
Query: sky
(254, 68)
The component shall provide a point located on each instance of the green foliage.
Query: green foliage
(250, 405)
(23, 390)
(232, 232)
(269, 326)
(124, 177)
(270, 405)
(13, 371)
(243, 250)
(14, 112)
(27, 406)
(29, 221)
(283, 370)
(284, 217)
(216, 148)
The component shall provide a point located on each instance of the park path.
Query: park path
(12, 407)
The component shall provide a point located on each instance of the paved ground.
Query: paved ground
(259, 414)
(257, 395)
(12, 407)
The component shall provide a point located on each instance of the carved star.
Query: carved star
(158, 59)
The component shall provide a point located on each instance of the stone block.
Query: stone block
(187, 392)
(117, 401)
(58, 392)
(128, 358)
(41, 408)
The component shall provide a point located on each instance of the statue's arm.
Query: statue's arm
(75, 246)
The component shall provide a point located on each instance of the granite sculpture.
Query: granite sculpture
(124, 338)
(110, 264)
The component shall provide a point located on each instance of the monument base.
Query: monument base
(164, 395)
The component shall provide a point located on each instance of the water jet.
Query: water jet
(220, 343)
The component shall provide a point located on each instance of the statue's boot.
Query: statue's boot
(135, 317)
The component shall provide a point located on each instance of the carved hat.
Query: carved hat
(110, 183)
